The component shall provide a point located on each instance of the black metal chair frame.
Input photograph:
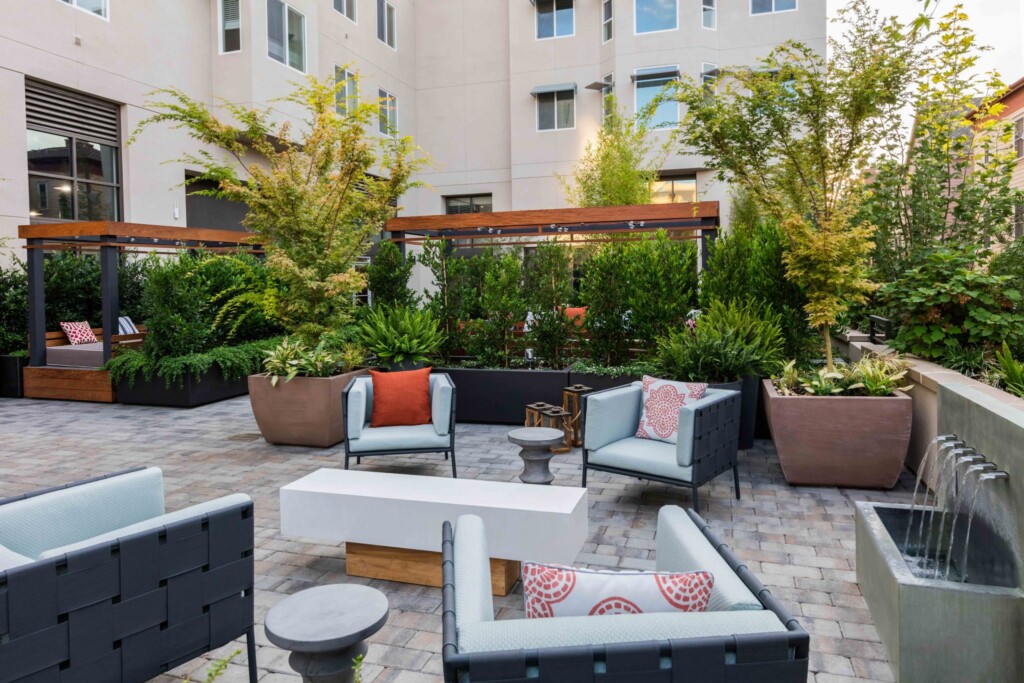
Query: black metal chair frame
(712, 455)
(133, 608)
(359, 455)
(779, 657)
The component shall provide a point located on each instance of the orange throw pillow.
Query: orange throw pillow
(400, 398)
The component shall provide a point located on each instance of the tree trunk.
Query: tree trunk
(825, 332)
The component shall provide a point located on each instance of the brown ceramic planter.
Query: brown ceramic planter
(848, 441)
(303, 412)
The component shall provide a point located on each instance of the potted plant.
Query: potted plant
(866, 403)
(402, 337)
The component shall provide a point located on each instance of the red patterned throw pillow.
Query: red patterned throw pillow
(552, 590)
(79, 333)
(662, 399)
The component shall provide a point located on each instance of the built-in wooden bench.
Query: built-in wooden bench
(73, 383)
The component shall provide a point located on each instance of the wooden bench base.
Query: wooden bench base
(421, 567)
(68, 384)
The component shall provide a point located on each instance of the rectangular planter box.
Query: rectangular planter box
(600, 382)
(500, 396)
(11, 383)
(194, 391)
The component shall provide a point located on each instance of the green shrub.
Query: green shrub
(13, 308)
(234, 362)
(662, 276)
(1010, 371)
(605, 291)
(388, 277)
(1009, 263)
(493, 340)
(291, 359)
(401, 333)
(547, 283)
(455, 298)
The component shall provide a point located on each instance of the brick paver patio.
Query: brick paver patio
(798, 540)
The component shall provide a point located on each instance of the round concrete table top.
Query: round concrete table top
(536, 437)
(326, 618)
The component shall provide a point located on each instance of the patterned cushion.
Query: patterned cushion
(79, 333)
(552, 590)
(126, 326)
(662, 400)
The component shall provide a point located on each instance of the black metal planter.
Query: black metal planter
(11, 383)
(599, 382)
(192, 392)
(500, 396)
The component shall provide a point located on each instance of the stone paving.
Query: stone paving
(798, 540)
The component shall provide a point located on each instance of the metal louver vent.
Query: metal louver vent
(230, 14)
(54, 109)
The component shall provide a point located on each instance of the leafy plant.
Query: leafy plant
(637, 368)
(824, 382)
(547, 285)
(234, 362)
(1009, 263)
(388, 276)
(968, 360)
(291, 359)
(13, 308)
(790, 380)
(605, 291)
(870, 376)
(1010, 371)
(662, 276)
(456, 293)
(399, 334)
(493, 340)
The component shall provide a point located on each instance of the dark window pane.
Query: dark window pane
(48, 153)
(95, 161)
(546, 111)
(783, 5)
(545, 18)
(760, 6)
(96, 202)
(566, 110)
(232, 40)
(563, 17)
(380, 21)
(457, 205)
(296, 40)
(483, 204)
(49, 198)
(275, 30)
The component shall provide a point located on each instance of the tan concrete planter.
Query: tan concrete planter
(303, 412)
(849, 441)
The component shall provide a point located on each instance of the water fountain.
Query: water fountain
(942, 575)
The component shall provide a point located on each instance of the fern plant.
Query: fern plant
(400, 334)
(1011, 371)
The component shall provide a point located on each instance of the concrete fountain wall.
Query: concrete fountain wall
(934, 630)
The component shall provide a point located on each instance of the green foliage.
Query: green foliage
(662, 276)
(870, 376)
(1010, 371)
(315, 198)
(948, 302)
(388, 277)
(291, 359)
(401, 333)
(455, 297)
(606, 290)
(243, 291)
(967, 360)
(1010, 264)
(619, 167)
(637, 368)
(234, 362)
(493, 340)
(218, 668)
(13, 308)
(547, 284)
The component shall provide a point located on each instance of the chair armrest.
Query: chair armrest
(355, 399)
(442, 393)
(611, 415)
(473, 601)
(691, 422)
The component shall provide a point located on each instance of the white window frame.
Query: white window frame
(348, 4)
(285, 7)
(660, 30)
(556, 129)
(608, 89)
(609, 22)
(750, 6)
(106, 9)
(392, 111)
(350, 98)
(384, 5)
(554, 19)
(636, 93)
(713, 6)
(220, 29)
(705, 77)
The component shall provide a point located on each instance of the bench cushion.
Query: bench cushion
(10, 559)
(76, 355)
(645, 456)
(399, 438)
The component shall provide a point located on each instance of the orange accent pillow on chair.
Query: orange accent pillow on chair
(400, 398)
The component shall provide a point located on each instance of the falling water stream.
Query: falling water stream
(929, 455)
(987, 476)
(942, 488)
(957, 486)
(938, 452)
(961, 494)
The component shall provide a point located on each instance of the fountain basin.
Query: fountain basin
(935, 630)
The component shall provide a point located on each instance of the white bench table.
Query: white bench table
(391, 523)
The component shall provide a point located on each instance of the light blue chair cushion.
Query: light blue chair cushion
(514, 634)
(360, 407)
(360, 402)
(612, 415)
(682, 547)
(30, 526)
(398, 438)
(441, 403)
(152, 523)
(10, 559)
(645, 456)
(473, 600)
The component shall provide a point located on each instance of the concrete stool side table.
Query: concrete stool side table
(536, 443)
(325, 628)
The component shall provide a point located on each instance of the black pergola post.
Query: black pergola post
(108, 294)
(36, 304)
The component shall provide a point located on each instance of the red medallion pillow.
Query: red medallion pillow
(662, 399)
(400, 398)
(552, 590)
(79, 333)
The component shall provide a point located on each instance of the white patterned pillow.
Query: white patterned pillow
(79, 333)
(552, 590)
(662, 399)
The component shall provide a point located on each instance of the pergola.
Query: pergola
(698, 220)
(109, 238)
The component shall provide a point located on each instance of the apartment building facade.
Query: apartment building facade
(503, 95)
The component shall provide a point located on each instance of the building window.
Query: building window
(606, 20)
(387, 117)
(655, 15)
(286, 35)
(386, 23)
(708, 16)
(477, 203)
(230, 26)
(769, 6)
(649, 85)
(71, 178)
(555, 18)
(97, 7)
(675, 190)
(708, 75)
(556, 110)
(606, 96)
(346, 7)
(347, 95)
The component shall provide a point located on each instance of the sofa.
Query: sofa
(707, 442)
(437, 436)
(98, 582)
(744, 636)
